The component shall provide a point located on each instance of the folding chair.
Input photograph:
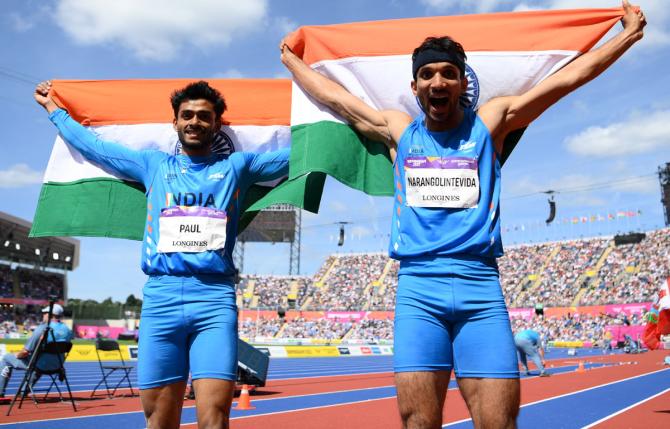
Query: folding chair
(33, 373)
(107, 370)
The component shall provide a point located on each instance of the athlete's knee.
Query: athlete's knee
(214, 418)
(420, 400)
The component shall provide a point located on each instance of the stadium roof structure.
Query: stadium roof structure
(49, 252)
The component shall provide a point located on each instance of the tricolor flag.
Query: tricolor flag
(508, 53)
(80, 198)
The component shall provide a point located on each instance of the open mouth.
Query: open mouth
(438, 102)
(193, 133)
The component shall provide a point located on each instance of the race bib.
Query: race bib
(441, 182)
(191, 229)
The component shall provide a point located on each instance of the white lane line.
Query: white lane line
(304, 409)
(571, 393)
(626, 409)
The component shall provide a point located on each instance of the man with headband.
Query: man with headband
(450, 312)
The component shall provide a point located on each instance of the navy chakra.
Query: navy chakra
(471, 95)
(222, 144)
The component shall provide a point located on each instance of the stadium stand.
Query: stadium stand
(560, 274)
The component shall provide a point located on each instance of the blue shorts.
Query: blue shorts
(453, 317)
(187, 323)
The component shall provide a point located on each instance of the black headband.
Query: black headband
(434, 56)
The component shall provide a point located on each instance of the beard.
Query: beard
(203, 143)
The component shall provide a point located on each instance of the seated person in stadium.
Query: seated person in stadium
(529, 345)
(59, 332)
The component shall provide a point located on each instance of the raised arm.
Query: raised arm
(505, 114)
(384, 126)
(127, 162)
(263, 167)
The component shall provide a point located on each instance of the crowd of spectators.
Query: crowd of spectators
(518, 265)
(343, 288)
(568, 328)
(560, 279)
(372, 330)
(384, 298)
(556, 274)
(327, 329)
(22, 322)
(576, 327)
(6, 282)
(273, 291)
(40, 284)
(632, 272)
(262, 327)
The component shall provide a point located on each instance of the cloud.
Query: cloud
(20, 23)
(19, 175)
(480, 6)
(26, 22)
(360, 231)
(159, 29)
(338, 206)
(285, 25)
(229, 74)
(638, 134)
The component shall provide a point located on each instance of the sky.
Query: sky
(599, 147)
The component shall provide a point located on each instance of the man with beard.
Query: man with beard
(189, 315)
(450, 312)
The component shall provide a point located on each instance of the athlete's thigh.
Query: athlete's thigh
(213, 398)
(422, 338)
(162, 348)
(493, 402)
(162, 405)
(213, 342)
(421, 397)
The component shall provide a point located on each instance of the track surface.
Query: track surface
(615, 391)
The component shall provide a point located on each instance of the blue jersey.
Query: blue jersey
(193, 203)
(59, 332)
(530, 335)
(447, 189)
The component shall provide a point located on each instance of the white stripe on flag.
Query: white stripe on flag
(383, 82)
(68, 165)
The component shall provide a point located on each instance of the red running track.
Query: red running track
(383, 413)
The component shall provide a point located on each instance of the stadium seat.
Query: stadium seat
(107, 370)
(33, 373)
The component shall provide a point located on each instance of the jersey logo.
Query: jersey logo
(416, 150)
(471, 95)
(216, 176)
(467, 145)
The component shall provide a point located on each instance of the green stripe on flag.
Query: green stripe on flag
(104, 207)
(336, 149)
(98, 207)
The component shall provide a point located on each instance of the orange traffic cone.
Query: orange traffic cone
(580, 367)
(244, 403)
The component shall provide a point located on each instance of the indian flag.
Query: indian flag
(82, 199)
(508, 53)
